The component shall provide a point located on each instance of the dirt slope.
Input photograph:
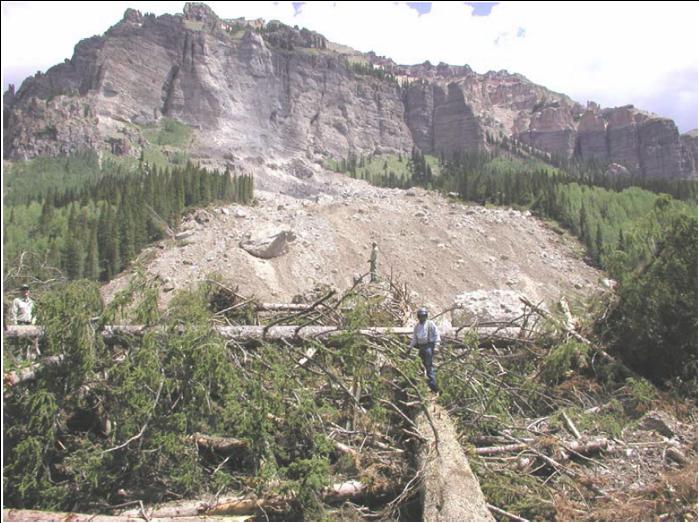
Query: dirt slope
(439, 247)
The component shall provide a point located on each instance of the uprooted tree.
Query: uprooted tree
(184, 416)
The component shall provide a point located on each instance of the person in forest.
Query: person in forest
(23, 308)
(372, 262)
(426, 338)
(22, 313)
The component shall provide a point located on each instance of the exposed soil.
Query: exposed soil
(439, 247)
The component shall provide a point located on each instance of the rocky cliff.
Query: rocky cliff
(255, 89)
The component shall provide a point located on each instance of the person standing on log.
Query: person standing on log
(426, 339)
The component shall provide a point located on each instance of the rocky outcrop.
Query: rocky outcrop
(592, 138)
(267, 244)
(637, 142)
(59, 126)
(244, 90)
(441, 117)
(689, 152)
(551, 130)
(419, 112)
(251, 89)
(456, 127)
(487, 307)
(660, 149)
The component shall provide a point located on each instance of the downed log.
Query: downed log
(10, 514)
(289, 307)
(577, 447)
(228, 506)
(572, 474)
(242, 505)
(219, 443)
(512, 517)
(501, 449)
(257, 333)
(450, 490)
(571, 426)
(23, 331)
(10, 379)
(282, 307)
(676, 455)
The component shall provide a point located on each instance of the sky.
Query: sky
(613, 53)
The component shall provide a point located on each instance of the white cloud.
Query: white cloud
(613, 53)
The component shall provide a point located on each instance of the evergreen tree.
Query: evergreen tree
(74, 258)
(47, 212)
(127, 240)
(92, 268)
(599, 244)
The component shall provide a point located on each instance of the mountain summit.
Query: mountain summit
(254, 89)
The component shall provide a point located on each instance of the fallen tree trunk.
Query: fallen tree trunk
(219, 443)
(256, 333)
(10, 514)
(577, 447)
(242, 505)
(282, 307)
(229, 506)
(10, 379)
(450, 490)
(289, 307)
(23, 331)
(252, 334)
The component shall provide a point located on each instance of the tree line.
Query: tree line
(96, 229)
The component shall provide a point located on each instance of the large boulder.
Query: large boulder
(487, 306)
(267, 244)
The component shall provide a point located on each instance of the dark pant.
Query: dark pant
(426, 353)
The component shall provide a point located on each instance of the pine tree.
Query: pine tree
(108, 243)
(126, 231)
(74, 258)
(599, 244)
(582, 223)
(47, 212)
(92, 268)
(621, 244)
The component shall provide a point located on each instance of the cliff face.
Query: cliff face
(255, 89)
(503, 104)
(276, 95)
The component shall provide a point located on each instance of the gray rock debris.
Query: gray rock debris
(267, 244)
(484, 306)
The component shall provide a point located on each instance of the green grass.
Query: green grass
(27, 180)
(168, 132)
(167, 146)
(375, 167)
(509, 165)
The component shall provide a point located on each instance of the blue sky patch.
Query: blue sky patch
(481, 8)
(421, 7)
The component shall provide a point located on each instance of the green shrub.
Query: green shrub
(563, 360)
